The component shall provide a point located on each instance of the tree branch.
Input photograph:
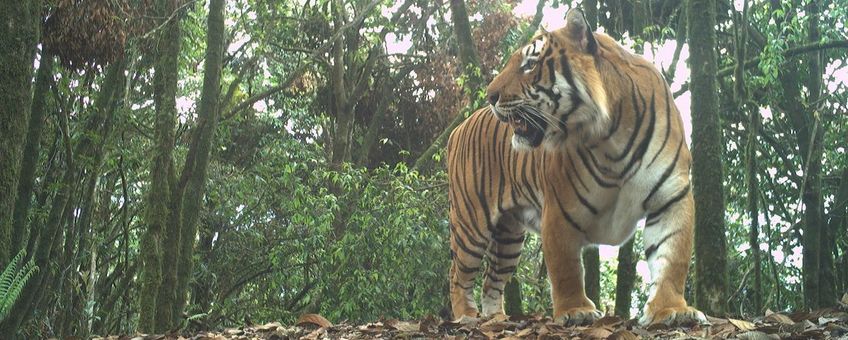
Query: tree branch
(302, 68)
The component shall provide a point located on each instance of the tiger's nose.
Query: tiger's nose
(493, 98)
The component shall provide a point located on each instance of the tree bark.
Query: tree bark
(625, 279)
(472, 69)
(32, 150)
(19, 33)
(160, 237)
(512, 297)
(48, 238)
(753, 208)
(710, 242)
(592, 274)
(199, 150)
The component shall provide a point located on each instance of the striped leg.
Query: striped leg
(562, 244)
(467, 249)
(504, 251)
(668, 248)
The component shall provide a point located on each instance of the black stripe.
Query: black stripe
(461, 243)
(650, 250)
(576, 174)
(505, 270)
(663, 178)
(667, 126)
(616, 122)
(493, 278)
(465, 269)
(509, 241)
(580, 197)
(646, 140)
(504, 256)
(638, 126)
(565, 213)
(670, 202)
(592, 171)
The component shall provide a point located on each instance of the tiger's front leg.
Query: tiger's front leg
(668, 248)
(562, 243)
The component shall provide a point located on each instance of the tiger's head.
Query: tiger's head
(551, 88)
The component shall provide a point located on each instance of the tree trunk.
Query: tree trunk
(160, 236)
(50, 236)
(626, 277)
(472, 69)
(200, 149)
(465, 43)
(592, 275)
(19, 32)
(512, 297)
(31, 152)
(710, 242)
(753, 208)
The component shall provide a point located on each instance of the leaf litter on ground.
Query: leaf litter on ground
(830, 323)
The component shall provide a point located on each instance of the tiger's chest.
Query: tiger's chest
(604, 207)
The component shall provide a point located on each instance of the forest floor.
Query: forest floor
(829, 323)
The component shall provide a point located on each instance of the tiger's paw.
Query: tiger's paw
(674, 316)
(579, 316)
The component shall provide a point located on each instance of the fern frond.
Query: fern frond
(9, 274)
(12, 282)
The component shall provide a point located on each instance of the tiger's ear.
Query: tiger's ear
(578, 30)
(540, 31)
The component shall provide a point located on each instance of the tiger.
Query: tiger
(580, 141)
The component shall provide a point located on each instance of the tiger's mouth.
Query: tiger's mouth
(530, 129)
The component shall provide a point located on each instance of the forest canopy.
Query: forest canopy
(189, 165)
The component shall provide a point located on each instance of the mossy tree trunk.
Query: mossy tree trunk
(161, 235)
(19, 33)
(710, 239)
(592, 274)
(32, 150)
(512, 297)
(625, 278)
(197, 160)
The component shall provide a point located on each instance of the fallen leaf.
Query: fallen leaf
(269, 327)
(374, 327)
(623, 335)
(742, 324)
(596, 333)
(234, 331)
(779, 318)
(316, 334)
(755, 335)
(408, 327)
(609, 320)
(524, 332)
(497, 323)
(313, 319)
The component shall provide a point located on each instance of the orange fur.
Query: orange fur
(614, 153)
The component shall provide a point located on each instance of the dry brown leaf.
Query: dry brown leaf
(755, 335)
(408, 327)
(314, 319)
(316, 334)
(374, 327)
(497, 324)
(742, 324)
(524, 332)
(779, 318)
(596, 333)
(269, 327)
(607, 321)
(623, 335)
